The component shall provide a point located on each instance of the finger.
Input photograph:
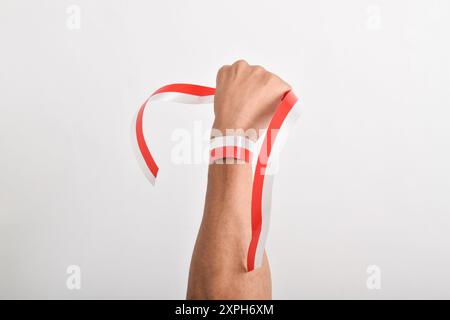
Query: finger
(239, 66)
(240, 63)
(222, 72)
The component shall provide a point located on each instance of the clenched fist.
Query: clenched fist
(246, 97)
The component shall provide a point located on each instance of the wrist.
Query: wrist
(232, 128)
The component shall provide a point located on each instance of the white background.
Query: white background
(364, 179)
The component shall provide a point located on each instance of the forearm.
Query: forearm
(246, 98)
(218, 267)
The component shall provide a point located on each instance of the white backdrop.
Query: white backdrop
(364, 179)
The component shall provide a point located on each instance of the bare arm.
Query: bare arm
(245, 99)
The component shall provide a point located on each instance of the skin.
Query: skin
(245, 101)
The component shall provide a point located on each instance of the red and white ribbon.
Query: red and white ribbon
(223, 148)
(269, 148)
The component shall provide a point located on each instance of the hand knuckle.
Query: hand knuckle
(241, 62)
(222, 70)
(259, 69)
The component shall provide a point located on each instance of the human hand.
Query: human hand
(246, 98)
